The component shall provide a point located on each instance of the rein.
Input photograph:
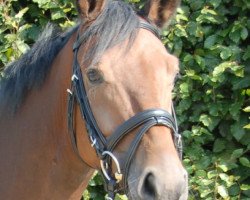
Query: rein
(104, 147)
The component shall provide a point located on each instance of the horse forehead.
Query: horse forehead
(149, 51)
(147, 39)
(153, 49)
(147, 54)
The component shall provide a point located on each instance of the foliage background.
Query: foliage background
(211, 38)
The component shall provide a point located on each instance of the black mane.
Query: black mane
(117, 22)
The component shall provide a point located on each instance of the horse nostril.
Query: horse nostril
(157, 184)
(149, 187)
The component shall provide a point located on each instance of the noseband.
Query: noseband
(104, 147)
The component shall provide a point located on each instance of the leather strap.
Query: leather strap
(160, 115)
(132, 149)
(144, 120)
(153, 29)
(86, 113)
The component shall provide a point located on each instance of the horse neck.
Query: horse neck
(42, 123)
(59, 80)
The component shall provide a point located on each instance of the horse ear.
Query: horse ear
(90, 9)
(161, 11)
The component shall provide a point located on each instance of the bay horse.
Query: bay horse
(95, 97)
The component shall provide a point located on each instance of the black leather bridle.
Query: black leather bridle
(104, 147)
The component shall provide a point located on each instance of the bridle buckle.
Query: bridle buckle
(179, 140)
(117, 175)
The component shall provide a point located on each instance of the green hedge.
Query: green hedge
(22, 21)
(211, 38)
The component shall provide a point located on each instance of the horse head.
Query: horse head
(126, 107)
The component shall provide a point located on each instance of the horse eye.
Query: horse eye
(95, 76)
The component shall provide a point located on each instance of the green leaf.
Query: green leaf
(237, 131)
(244, 33)
(237, 153)
(184, 87)
(242, 83)
(188, 58)
(210, 41)
(248, 92)
(245, 187)
(222, 191)
(195, 5)
(218, 70)
(235, 34)
(212, 174)
(22, 12)
(201, 173)
(234, 190)
(22, 47)
(208, 11)
(225, 53)
(180, 31)
(224, 177)
(246, 109)
(235, 109)
(247, 126)
(219, 145)
(191, 74)
(247, 53)
(238, 70)
(121, 197)
(205, 119)
(200, 61)
(225, 166)
(58, 15)
(244, 161)
(192, 28)
(215, 3)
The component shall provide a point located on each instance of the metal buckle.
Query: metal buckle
(74, 77)
(93, 141)
(178, 144)
(69, 91)
(179, 140)
(118, 174)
